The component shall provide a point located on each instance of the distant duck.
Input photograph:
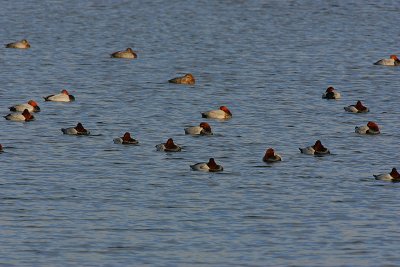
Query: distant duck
(271, 156)
(128, 53)
(392, 61)
(77, 130)
(203, 129)
(1, 148)
(357, 108)
(331, 93)
(316, 149)
(223, 113)
(209, 166)
(23, 44)
(393, 176)
(169, 146)
(186, 79)
(64, 96)
(31, 106)
(24, 116)
(371, 128)
(126, 140)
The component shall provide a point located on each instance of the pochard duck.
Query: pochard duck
(77, 130)
(1, 148)
(64, 96)
(203, 129)
(316, 149)
(271, 156)
(209, 166)
(370, 128)
(169, 146)
(392, 61)
(128, 53)
(223, 113)
(186, 79)
(331, 93)
(126, 140)
(23, 44)
(357, 108)
(31, 106)
(393, 176)
(24, 116)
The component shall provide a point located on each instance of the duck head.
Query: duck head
(373, 126)
(226, 110)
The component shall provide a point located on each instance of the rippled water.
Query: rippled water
(84, 201)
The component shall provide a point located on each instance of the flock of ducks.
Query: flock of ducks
(23, 113)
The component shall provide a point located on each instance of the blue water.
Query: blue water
(85, 201)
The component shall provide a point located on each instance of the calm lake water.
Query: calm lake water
(85, 201)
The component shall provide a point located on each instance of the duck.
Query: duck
(357, 108)
(316, 149)
(392, 61)
(209, 166)
(371, 128)
(271, 156)
(126, 140)
(331, 93)
(128, 53)
(24, 116)
(1, 148)
(31, 106)
(223, 113)
(23, 44)
(393, 176)
(77, 130)
(188, 78)
(203, 129)
(169, 146)
(64, 96)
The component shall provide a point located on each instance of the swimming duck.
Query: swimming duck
(393, 176)
(203, 129)
(77, 130)
(64, 96)
(126, 140)
(331, 93)
(316, 149)
(370, 128)
(24, 116)
(23, 44)
(223, 113)
(209, 166)
(186, 79)
(1, 148)
(357, 108)
(31, 106)
(128, 53)
(392, 61)
(271, 156)
(169, 146)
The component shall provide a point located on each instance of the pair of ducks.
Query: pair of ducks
(26, 108)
